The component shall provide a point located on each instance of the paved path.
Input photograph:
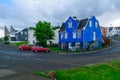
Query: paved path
(26, 62)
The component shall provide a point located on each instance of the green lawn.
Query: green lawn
(20, 43)
(106, 71)
(118, 37)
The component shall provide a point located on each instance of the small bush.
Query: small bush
(6, 42)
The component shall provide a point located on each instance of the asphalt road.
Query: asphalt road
(22, 64)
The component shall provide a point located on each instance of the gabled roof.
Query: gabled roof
(18, 31)
(82, 23)
(62, 27)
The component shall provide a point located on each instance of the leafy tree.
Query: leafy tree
(56, 27)
(6, 38)
(43, 32)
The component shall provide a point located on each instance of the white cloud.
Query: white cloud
(25, 13)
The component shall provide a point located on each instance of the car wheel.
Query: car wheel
(36, 51)
(21, 49)
(46, 51)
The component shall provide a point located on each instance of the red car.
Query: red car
(25, 47)
(40, 49)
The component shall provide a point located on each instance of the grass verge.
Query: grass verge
(105, 71)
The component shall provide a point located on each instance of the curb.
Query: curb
(104, 49)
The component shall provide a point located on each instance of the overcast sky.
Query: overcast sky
(25, 13)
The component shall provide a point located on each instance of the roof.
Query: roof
(62, 27)
(82, 23)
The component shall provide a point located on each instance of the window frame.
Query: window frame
(74, 35)
(70, 24)
(90, 23)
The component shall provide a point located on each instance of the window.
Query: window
(78, 45)
(90, 23)
(70, 24)
(21, 32)
(66, 35)
(79, 34)
(96, 24)
(74, 34)
(94, 36)
(25, 33)
(25, 38)
(61, 36)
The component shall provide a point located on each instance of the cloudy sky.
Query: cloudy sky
(25, 13)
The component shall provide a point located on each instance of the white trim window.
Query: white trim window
(61, 35)
(94, 36)
(77, 45)
(26, 38)
(74, 34)
(90, 23)
(21, 32)
(66, 35)
(79, 34)
(96, 24)
(70, 24)
(25, 33)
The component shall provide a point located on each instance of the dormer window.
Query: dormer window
(70, 24)
(90, 23)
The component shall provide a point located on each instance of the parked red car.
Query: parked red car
(40, 49)
(25, 47)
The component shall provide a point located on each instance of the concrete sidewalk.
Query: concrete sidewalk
(6, 72)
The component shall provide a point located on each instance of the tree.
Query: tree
(6, 40)
(43, 32)
(56, 27)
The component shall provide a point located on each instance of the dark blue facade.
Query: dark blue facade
(79, 34)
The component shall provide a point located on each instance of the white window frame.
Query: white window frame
(90, 23)
(61, 35)
(66, 35)
(70, 24)
(26, 38)
(77, 45)
(79, 34)
(96, 24)
(74, 35)
(25, 33)
(21, 32)
(94, 36)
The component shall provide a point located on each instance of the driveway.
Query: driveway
(23, 64)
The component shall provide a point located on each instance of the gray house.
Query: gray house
(22, 35)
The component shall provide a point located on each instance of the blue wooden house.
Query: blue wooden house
(80, 34)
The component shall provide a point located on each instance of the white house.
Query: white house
(31, 37)
(118, 30)
(32, 40)
(111, 31)
(55, 40)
